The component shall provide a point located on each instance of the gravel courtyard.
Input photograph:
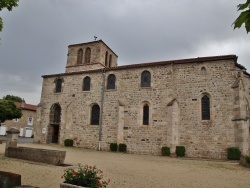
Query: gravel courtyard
(130, 170)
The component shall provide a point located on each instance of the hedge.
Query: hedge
(165, 151)
(122, 148)
(233, 153)
(180, 151)
(68, 142)
(113, 146)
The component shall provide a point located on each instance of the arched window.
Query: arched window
(86, 84)
(145, 115)
(203, 71)
(79, 56)
(95, 114)
(58, 88)
(110, 60)
(111, 81)
(55, 114)
(145, 79)
(106, 59)
(87, 55)
(205, 107)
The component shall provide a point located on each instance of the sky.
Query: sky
(36, 35)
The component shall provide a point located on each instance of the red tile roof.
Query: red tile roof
(26, 106)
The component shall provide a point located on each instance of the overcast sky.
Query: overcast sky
(36, 35)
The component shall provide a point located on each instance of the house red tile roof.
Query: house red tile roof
(26, 106)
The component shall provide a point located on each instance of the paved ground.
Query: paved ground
(21, 140)
(130, 170)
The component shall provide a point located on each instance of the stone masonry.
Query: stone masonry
(174, 100)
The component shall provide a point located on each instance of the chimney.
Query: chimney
(23, 103)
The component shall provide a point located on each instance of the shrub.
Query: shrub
(165, 151)
(248, 159)
(87, 176)
(180, 151)
(68, 142)
(122, 148)
(113, 146)
(233, 153)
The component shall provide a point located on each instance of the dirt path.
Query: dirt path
(131, 171)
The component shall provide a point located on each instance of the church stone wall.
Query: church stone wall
(180, 124)
(245, 113)
(84, 67)
(205, 138)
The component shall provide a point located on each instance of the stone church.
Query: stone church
(200, 103)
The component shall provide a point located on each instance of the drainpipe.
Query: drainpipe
(101, 109)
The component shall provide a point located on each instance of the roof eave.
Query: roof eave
(180, 61)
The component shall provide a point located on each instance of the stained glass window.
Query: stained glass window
(205, 107)
(203, 71)
(95, 114)
(111, 81)
(145, 79)
(145, 114)
(58, 85)
(86, 84)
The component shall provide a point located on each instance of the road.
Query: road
(20, 139)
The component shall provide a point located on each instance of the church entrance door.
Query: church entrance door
(55, 133)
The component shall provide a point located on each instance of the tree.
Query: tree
(9, 111)
(12, 98)
(244, 17)
(9, 4)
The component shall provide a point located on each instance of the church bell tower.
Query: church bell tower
(89, 56)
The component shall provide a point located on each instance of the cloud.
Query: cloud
(36, 35)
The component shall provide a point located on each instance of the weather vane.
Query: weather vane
(95, 37)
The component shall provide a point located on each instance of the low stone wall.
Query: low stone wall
(66, 185)
(8, 179)
(54, 157)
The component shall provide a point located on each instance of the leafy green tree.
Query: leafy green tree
(244, 17)
(9, 111)
(9, 4)
(12, 98)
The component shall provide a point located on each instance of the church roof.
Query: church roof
(178, 61)
(181, 61)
